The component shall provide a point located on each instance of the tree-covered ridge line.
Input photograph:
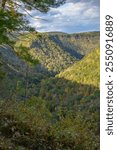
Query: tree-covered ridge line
(57, 51)
(82, 43)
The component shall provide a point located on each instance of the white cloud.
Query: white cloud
(74, 16)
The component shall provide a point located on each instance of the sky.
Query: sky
(72, 17)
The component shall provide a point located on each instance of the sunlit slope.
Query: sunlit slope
(86, 71)
(79, 81)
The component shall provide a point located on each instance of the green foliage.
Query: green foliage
(74, 99)
(79, 80)
(23, 124)
(23, 52)
(2, 75)
(67, 92)
(78, 44)
(42, 5)
(61, 112)
(13, 83)
(37, 57)
(8, 23)
(56, 51)
(29, 125)
(48, 53)
(20, 74)
(86, 71)
(12, 21)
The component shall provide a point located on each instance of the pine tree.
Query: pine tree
(11, 20)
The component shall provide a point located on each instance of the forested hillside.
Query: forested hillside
(57, 51)
(18, 75)
(64, 116)
(77, 44)
(37, 56)
(49, 82)
(78, 81)
(85, 71)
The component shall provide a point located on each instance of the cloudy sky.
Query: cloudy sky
(72, 17)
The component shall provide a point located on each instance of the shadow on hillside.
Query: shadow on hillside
(59, 91)
(18, 73)
(74, 123)
(66, 47)
(15, 82)
(11, 60)
(55, 90)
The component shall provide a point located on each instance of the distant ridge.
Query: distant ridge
(56, 51)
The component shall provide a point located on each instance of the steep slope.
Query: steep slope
(85, 71)
(74, 98)
(17, 73)
(80, 80)
(57, 51)
(78, 44)
(47, 52)
(68, 118)
(38, 56)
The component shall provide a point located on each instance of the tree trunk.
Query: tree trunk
(26, 82)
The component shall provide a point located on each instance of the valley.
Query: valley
(49, 92)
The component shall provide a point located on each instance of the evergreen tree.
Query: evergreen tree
(12, 20)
